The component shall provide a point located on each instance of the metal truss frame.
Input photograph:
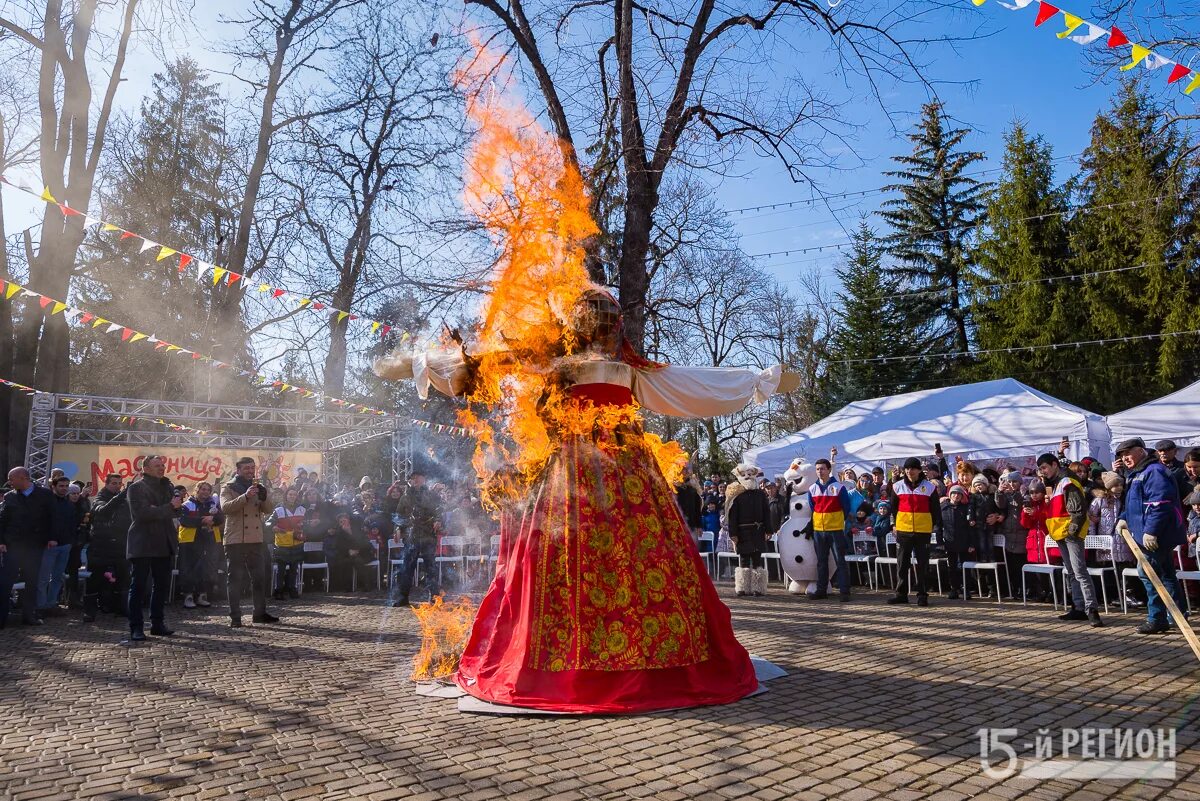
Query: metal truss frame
(55, 418)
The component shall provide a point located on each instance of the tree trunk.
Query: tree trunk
(6, 337)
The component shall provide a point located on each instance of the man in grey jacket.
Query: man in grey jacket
(150, 545)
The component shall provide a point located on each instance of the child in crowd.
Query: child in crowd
(859, 526)
(287, 522)
(1103, 512)
(1033, 518)
(958, 537)
(710, 520)
(881, 526)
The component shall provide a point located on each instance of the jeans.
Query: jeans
(244, 563)
(839, 543)
(1083, 593)
(1163, 562)
(911, 544)
(404, 569)
(50, 579)
(148, 569)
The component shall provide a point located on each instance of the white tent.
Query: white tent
(1001, 419)
(1175, 416)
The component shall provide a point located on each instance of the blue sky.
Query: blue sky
(1018, 71)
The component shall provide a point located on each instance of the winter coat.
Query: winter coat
(957, 535)
(1152, 505)
(1035, 539)
(152, 531)
(689, 503)
(422, 507)
(748, 519)
(243, 517)
(110, 527)
(25, 521)
(779, 512)
(881, 525)
(1009, 505)
(191, 520)
(65, 518)
(711, 521)
(1102, 515)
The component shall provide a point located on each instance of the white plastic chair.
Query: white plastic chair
(1102, 542)
(709, 556)
(375, 563)
(493, 558)
(394, 558)
(884, 559)
(313, 547)
(450, 542)
(773, 556)
(1184, 576)
(992, 565)
(730, 555)
(867, 559)
(1045, 568)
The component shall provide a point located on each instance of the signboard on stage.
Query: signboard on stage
(186, 466)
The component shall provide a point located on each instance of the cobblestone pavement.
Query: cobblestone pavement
(880, 702)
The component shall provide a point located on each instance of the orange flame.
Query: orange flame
(444, 631)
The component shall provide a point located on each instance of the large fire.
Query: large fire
(444, 631)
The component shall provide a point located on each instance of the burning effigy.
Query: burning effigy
(601, 601)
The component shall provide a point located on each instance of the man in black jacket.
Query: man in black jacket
(64, 530)
(153, 504)
(422, 508)
(25, 520)
(109, 580)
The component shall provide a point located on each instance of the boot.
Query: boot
(90, 604)
(758, 580)
(741, 580)
(203, 601)
(189, 601)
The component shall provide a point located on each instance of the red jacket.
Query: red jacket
(1035, 540)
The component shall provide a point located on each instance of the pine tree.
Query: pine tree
(1025, 242)
(165, 179)
(932, 224)
(1137, 201)
(871, 325)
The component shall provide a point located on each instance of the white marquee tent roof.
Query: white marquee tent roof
(1175, 416)
(988, 420)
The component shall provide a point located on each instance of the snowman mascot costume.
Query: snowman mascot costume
(797, 548)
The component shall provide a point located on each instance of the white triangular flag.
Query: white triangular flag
(147, 244)
(113, 327)
(1155, 61)
(1015, 5)
(1088, 34)
(89, 221)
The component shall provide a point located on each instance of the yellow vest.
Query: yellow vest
(914, 513)
(1058, 522)
(189, 534)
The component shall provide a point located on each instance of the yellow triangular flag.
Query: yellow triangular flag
(218, 273)
(343, 315)
(13, 289)
(978, 2)
(1073, 22)
(136, 336)
(1195, 82)
(110, 227)
(404, 337)
(58, 306)
(1139, 55)
(165, 252)
(374, 327)
(47, 196)
(173, 347)
(99, 322)
(263, 287)
(304, 302)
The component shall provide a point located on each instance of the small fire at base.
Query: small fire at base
(444, 631)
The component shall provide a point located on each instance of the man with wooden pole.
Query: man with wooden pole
(1153, 519)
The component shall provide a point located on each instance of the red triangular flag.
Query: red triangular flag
(318, 306)
(1116, 38)
(1180, 72)
(161, 345)
(279, 293)
(184, 261)
(127, 234)
(44, 301)
(1045, 12)
(231, 276)
(86, 318)
(68, 211)
(126, 333)
(385, 330)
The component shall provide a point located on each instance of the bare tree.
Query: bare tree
(678, 81)
(377, 160)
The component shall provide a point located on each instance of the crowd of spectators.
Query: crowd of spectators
(977, 508)
(67, 548)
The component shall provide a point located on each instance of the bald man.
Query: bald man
(25, 525)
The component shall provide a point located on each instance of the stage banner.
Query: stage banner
(185, 466)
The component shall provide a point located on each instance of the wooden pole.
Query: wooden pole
(1176, 613)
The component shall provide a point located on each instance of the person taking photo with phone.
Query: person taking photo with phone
(150, 545)
(246, 505)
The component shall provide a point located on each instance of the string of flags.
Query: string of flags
(206, 270)
(442, 428)
(1021, 349)
(130, 336)
(19, 387)
(1082, 32)
(128, 420)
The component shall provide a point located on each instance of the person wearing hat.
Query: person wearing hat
(1103, 512)
(1067, 523)
(1167, 453)
(1153, 516)
(1192, 504)
(421, 507)
(934, 475)
(957, 535)
(881, 524)
(1007, 507)
(916, 515)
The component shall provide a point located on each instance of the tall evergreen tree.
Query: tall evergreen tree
(933, 225)
(871, 325)
(165, 179)
(1024, 243)
(1137, 204)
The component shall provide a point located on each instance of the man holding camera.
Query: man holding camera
(150, 545)
(245, 503)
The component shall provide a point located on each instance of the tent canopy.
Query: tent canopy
(1175, 416)
(988, 420)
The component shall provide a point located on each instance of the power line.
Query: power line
(1022, 349)
(966, 226)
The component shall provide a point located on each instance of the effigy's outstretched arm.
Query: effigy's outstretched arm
(708, 391)
(447, 370)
